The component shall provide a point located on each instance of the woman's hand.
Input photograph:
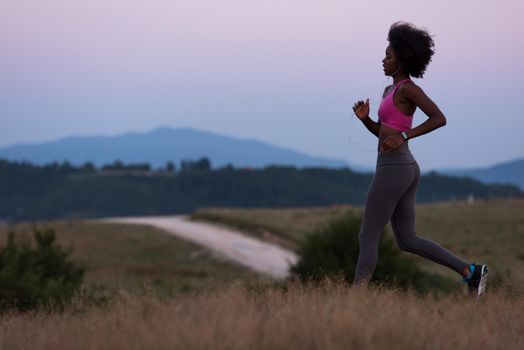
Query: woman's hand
(361, 109)
(392, 142)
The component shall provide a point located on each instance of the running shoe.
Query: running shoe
(477, 279)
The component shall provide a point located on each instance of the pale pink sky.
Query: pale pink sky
(285, 72)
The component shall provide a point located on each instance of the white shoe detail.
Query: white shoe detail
(483, 281)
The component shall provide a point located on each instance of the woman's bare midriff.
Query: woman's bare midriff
(384, 133)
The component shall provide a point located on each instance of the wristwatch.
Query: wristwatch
(404, 135)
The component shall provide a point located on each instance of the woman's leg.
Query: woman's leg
(389, 183)
(403, 224)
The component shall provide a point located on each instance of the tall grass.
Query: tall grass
(285, 315)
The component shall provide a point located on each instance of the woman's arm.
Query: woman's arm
(372, 126)
(436, 118)
(361, 109)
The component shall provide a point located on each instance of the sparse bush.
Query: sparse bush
(333, 252)
(41, 276)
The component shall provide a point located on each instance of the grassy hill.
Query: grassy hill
(130, 257)
(134, 258)
(489, 231)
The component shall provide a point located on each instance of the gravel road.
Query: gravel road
(256, 254)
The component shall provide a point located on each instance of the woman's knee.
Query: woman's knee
(402, 246)
(407, 245)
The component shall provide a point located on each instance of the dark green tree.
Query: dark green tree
(190, 165)
(170, 167)
(40, 276)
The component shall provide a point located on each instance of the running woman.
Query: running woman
(391, 195)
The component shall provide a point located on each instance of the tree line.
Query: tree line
(61, 190)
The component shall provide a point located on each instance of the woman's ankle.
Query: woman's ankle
(467, 271)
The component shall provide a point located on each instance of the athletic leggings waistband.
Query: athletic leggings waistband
(400, 155)
(395, 158)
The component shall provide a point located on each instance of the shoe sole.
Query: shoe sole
(483, 281)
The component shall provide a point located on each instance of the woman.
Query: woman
(391, 195)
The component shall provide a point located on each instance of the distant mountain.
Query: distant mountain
(507, 172)
(166, 144)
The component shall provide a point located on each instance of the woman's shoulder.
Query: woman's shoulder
(410, 91)
(407, 82)
(408, 85)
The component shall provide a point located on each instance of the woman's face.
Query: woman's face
(389, 62)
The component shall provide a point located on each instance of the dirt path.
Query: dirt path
(258, 255)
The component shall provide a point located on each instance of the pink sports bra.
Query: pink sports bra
(390, 115)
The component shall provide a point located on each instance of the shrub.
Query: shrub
(41, 276)
(332, 252)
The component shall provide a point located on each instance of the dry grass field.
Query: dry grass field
(288, 316)
(170, 294)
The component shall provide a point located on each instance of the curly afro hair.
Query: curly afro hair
(413, 47)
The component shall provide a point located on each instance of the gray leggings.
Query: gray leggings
(391, 195)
